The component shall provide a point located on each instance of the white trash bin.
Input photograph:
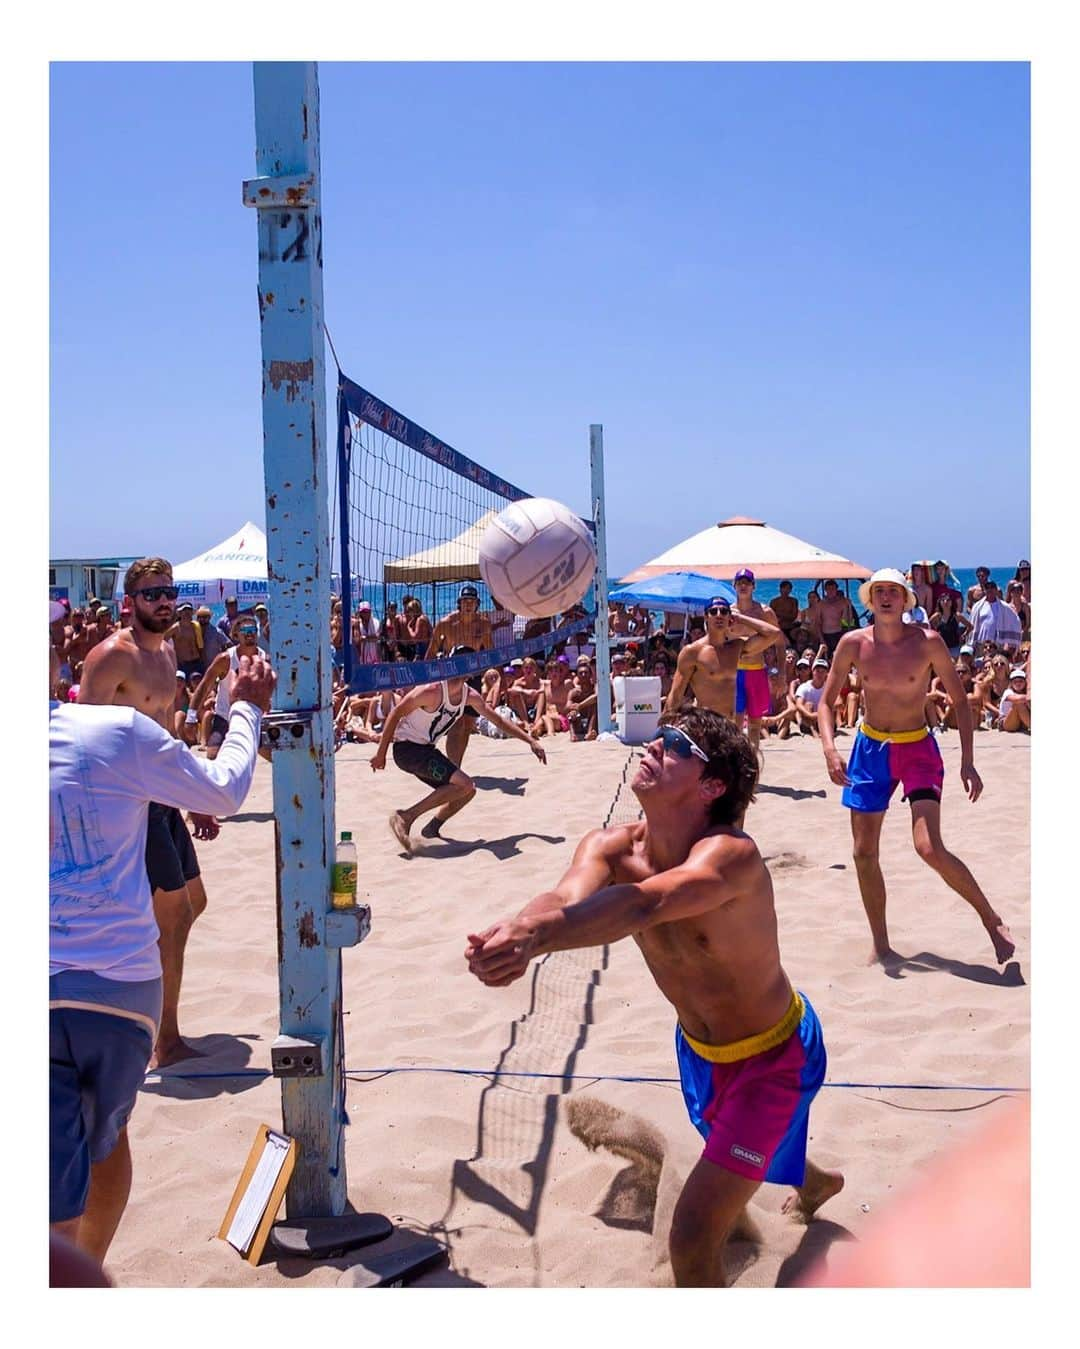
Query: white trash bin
(637, 707)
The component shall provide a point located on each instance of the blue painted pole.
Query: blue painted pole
(604, 718)
(308, 1055)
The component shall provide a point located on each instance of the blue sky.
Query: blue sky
(796, 291)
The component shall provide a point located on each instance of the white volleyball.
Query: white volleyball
(537, 557)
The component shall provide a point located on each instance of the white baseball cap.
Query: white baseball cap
(1018, 673)
(883, 576)
(821, 663)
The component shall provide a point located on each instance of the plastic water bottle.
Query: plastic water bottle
(343, 874)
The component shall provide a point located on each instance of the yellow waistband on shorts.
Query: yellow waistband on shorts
(751, 665)
(753, 1044)
(895, 737)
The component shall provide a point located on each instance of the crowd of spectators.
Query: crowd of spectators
(987, 635)
(987, 632)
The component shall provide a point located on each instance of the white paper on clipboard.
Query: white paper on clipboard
(252, 1206)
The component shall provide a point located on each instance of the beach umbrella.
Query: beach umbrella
(772, 555)
(677, 592)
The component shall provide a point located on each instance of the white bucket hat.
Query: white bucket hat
(892, 577)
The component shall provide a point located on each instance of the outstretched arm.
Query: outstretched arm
(502, 954)
(511, 728)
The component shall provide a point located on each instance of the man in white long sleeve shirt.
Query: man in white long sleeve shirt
(106, 764)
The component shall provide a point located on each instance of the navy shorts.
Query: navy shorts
(424, 762)
(170, 853)
(96, 1066)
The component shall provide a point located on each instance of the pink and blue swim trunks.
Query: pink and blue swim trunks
(750, 1100)
(880, 760)
(752, 694)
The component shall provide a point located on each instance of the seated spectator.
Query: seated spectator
(1014, 710)
(552, 714)
(661, 666)
(581, 702)
(849, 701)
(528, 687)
(808, 696)
(784, 711)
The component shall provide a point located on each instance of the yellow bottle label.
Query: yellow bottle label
(343, 885)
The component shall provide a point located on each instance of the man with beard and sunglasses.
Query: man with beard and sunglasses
(709, 668)
(694, 893)
(136, 667)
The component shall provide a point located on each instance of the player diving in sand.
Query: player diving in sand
(423, 715)
(694, 893)
(895, 661)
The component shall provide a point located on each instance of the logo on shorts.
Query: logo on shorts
(745, 1155)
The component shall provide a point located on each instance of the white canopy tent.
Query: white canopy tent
(236, 566)
(723, 548)
(456, 560)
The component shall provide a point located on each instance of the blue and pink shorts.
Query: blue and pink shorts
(752, 694)
(879, 762)
(753, 1110)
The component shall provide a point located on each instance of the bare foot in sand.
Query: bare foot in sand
(1004, 946)
(887, 958)
(169, 1052)
(818, 1186)
(400, 829)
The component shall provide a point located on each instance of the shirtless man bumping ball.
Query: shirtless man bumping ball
(692, 890)
(895, 661)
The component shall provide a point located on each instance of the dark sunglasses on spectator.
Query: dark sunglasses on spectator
(152, 593)
(248, 630)
(680, 744)
(718, 610)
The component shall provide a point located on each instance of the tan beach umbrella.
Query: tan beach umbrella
(458, 559)
(772, 555)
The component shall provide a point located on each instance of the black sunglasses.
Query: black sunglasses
(680, 744)
(152, 593)
(718, 610)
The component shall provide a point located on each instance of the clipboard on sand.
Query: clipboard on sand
(259, 1193)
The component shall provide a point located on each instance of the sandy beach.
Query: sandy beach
(503, 1171)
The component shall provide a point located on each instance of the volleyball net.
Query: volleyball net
(411, 512)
